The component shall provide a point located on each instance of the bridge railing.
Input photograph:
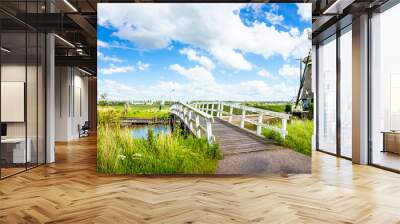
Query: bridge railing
(197, 121)
(216, 108)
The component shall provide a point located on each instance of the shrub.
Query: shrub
(288, 108)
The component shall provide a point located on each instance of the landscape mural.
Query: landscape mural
(207, 89)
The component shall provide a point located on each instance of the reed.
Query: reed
(119, 153)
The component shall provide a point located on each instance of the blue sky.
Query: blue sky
(201, 51)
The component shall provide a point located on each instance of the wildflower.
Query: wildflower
(136, 156)
(121, 157)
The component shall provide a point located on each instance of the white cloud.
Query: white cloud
(113, 44)
(102, 44)
(304, 11)
(142, 66)
(103, 57)
(214, 28)
(256, 7)
(194, 56)
(289, 70)
(167, 90)
(294, 31)
(231, 58)
(197, 73)
(112, 69)
(266, 74)
(274, 18)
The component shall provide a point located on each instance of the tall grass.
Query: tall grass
(298, 138)
(119, 153)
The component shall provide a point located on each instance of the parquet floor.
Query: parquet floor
(70, 191)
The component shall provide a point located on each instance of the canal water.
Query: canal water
(140, 131)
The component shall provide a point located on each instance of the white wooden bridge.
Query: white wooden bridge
(199, 117)
(238, 131)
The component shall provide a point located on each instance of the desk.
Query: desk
(391, 141)
(15, 148)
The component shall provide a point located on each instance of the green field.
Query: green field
(137, 111)
(298, 138)
(277, 107)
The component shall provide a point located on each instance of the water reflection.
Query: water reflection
(140, 131)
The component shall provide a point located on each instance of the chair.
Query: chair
(84, 130)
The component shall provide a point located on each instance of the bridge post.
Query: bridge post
(190, 121)
(197, 125)
(219, 110)
(212, 109)
(284, 122)
(259, 125)
(209, 130)
(230, 113)
(243, 117)
(185, 120)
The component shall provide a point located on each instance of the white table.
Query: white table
(19, 153)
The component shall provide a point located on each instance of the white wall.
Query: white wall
(71, 94)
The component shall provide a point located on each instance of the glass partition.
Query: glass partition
(22, 77)
(13, 94)
(327, 95)
(385, 89)
(346, 93)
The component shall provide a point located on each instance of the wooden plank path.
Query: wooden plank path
(247, 153)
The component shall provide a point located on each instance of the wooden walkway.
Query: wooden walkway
(247, 153)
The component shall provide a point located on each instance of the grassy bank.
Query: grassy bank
(137, 111)
(119, 153)
(298, 138)
(277, 107)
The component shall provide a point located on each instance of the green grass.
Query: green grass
(298, 138)
(137, 111)
(119, 153)
(277, 107)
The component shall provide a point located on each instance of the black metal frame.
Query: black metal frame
(337, 34)
(36, 164)
(389, 4)
(380, 9)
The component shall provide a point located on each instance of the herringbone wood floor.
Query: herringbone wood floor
(70, 191)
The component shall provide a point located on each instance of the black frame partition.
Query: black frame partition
(328, 39)
(25, 56)
(339, 29)
(381, 9)
(333, 36)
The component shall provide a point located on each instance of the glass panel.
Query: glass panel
(13, 87)
(31, 100)
(327, 96)
(32, 88)
(385, 84)
(346, 94)
(41, 98)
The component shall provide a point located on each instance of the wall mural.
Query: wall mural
(204, 88)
